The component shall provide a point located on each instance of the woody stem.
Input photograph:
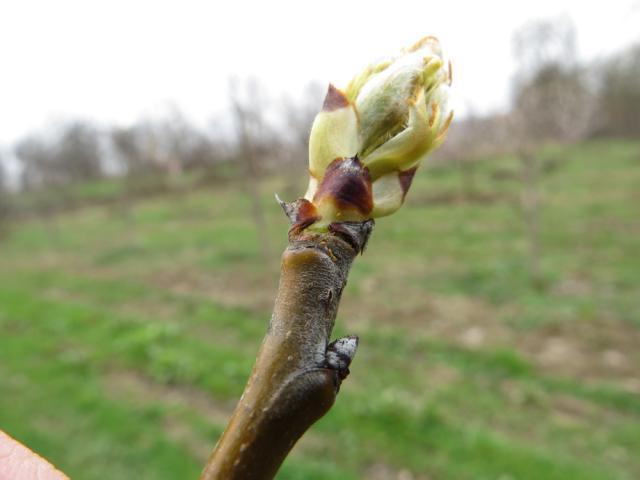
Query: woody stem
(297, 373)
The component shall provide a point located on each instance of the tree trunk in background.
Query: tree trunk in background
(531, 213)
(249, 125)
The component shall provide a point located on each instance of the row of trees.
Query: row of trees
(254, 135)
(555, 99)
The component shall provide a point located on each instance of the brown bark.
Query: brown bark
(297, 372)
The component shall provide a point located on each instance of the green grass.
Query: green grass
(126, 336)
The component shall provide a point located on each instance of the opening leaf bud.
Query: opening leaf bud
(370, 138)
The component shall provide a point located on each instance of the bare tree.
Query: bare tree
(3, 176)
(78, 152)
(198, 152)
(248, 105)
(139, 156)
(4, 197)
(619, 94)
(72, 155)
(298, 115)
(464, 147)
(551, 103)
(167, 146)
(142, 149)
(37, 168)
(182, 146)
(130, 148)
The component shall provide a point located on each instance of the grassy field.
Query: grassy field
(126, 336)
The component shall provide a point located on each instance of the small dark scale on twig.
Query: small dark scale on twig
(340, 354)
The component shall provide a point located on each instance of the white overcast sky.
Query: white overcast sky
(114, 61)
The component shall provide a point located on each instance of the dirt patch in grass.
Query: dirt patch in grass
(156, 309)
(243, 288)
(463, 321)
(568, 409)
(181, 433)
(139, 390)
(382, 471)
(603, 349)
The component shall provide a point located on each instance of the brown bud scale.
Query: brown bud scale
(334, 100)
(406, 178)
(347, 183)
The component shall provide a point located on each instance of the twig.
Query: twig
(365, 146)
(298, 372)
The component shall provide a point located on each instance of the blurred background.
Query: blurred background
(141, 144)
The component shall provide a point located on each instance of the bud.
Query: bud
(369, 139)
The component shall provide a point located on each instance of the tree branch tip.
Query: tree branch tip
(287, 208)
(301, 214)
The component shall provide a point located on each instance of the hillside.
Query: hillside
(126, 336)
